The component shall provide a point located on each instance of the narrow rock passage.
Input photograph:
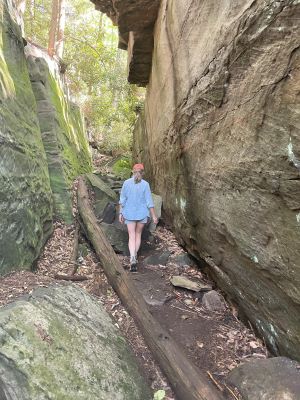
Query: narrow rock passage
(216, 341)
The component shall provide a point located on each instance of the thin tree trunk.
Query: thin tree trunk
(53, 28)
(61, 28)
(188, 382)
(32, 16)
(100, 31)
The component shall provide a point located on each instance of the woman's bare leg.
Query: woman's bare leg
(131, 227)
(138, 235)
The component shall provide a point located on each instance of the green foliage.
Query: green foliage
(159, 395)
(123, 167)
(96, 70)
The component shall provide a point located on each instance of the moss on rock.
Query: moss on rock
(25, 198)
(62, 130)
(65, 345)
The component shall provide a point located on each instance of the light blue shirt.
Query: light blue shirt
(135, 199)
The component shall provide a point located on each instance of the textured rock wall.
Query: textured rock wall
(135, 20)
(220, 140)
(25, 194)
(62, 129)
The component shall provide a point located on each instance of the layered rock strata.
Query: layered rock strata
(25, 199)
(27, 191)
(62, 129)
(220, 141)
(135, 20)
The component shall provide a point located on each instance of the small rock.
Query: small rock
(188, 302)
(183, 282)
(183, 260)
(154, 301)
(213, 301)
(157, 259)
(276, 378)
(83, 250)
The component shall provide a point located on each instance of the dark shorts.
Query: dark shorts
(141, 221)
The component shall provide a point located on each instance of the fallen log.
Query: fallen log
(187, 381)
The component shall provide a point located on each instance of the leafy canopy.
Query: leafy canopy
(96, 70)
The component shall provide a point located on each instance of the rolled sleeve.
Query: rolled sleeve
(149, 199)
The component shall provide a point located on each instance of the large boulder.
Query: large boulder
(59, 343)
(276, 378)
(103, 194)
(25, 194)
(117, 236)
(220, 141)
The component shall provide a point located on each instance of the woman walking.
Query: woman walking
(136, 205)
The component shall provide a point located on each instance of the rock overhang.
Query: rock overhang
(135, 20)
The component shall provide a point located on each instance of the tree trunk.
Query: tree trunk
(61, 28)
(32, 16)
(53, 28)
(187, 381)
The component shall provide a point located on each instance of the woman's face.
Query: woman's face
(138, 174)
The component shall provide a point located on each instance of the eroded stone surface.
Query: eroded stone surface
(59, 343)
(25, 193)
(220, 142)
(62, 129)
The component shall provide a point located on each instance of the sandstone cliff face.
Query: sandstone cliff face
(62, 129)
(135, 20)
(25, 194)
(220, 141)
(31, 105)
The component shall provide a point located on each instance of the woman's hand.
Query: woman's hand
(153, 216)
(121, 219)
(155, 220)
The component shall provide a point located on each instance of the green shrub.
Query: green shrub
(123, 167)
